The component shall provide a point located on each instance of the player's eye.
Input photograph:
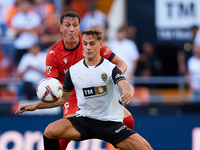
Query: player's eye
(75, 25)
(67, 25)
(92, 44)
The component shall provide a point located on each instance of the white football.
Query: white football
(49, 90)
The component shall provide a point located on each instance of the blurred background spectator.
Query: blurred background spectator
(93, 17)
(194, 73)
(11, 11)
(186, 52)
(4, 6)
(45, 9)
(6, 66)
(127, 50)
(149, 63)
(31, 70)
(131, 32)
(79, 6)
(50, 32)
(25, 24)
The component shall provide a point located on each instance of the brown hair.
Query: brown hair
(71, 14)
(96, 32)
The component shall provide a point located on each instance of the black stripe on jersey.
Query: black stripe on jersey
(117, 75)
(71, 49)
(111, 56)
(68, 85)
(101, 61)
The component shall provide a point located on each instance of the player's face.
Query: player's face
(70, 29)
(91, 47)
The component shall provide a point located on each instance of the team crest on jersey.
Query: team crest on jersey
(65, 60)
(48, 68)
(104, 77)
(51, 51)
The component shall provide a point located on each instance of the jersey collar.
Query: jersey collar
(73, 48)
(101, 61)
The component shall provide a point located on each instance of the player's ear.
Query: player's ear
(60, 28)
(101, 44)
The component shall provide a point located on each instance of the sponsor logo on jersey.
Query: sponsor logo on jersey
(121, 128)
(92, 92)
(119, 75)
(65, 71)
(65, 60)
(80, 78)
(48, 68)
(83, 53)
(104, 77)
(51, 51)
(107, 51)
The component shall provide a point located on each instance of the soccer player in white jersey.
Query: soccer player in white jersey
(101, 113)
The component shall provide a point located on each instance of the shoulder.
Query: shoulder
(77, 67)
(108, 64)
(55, 50)
(78, 64)
(56, 47)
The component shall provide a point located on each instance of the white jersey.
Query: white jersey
(96, 92)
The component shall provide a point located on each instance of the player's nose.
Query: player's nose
(71, 28)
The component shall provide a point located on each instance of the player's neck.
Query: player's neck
(71, 44)
(93, 61)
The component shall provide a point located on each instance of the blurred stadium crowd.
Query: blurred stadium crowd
(30, 27)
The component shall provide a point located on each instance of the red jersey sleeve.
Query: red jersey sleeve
(106, 53)
(51, 66)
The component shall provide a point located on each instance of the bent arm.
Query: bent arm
(119, 63)
(42, 105)
(127, 91)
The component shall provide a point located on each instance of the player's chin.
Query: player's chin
(71, 38)
(89, 56)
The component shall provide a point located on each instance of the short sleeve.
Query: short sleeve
(106, 53)
(68, 85)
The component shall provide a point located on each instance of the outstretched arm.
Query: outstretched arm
(127, 91)
(42, 105)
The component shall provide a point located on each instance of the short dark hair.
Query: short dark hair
(71, 14)
(96, 32)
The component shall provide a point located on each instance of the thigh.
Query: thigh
(114, 132)
(134, 141)
(62, 129)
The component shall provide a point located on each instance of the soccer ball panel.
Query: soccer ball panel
(49, 90)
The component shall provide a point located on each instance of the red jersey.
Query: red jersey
(59, 59)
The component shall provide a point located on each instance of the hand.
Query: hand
(26, 108)
(126, 97)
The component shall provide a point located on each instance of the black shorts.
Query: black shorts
(109, 131)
